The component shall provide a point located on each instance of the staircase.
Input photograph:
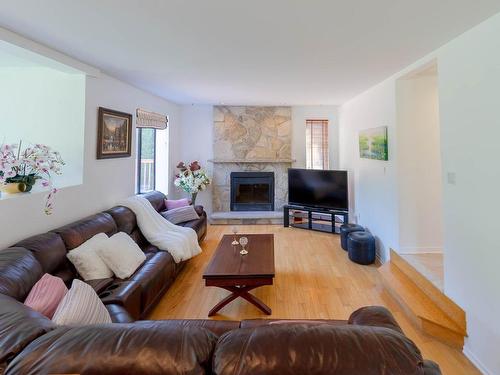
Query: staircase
(425, 305)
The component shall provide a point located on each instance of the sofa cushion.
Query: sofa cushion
(76, 233)
(180, 215)
(199, 226)
(121, 254)
(124, 217)
(316, 349)
(170, 204)
(46, 295)
(375, 316)
(87, 261)
(157, 200)
(154, 276)
(81, 305)
(153, 348)
(20, 325)
(48, 249)
(19, 271)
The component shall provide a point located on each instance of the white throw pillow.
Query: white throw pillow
(81, 305)
(122, 255)
(86, 261)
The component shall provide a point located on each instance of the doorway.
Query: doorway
(419, 172)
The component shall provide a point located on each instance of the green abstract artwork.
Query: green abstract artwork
(373, 143)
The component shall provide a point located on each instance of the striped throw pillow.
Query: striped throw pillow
(80, 306)
(181, 214)
(46, 295)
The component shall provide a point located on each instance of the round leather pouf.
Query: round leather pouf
(361, 247)
(345, 229)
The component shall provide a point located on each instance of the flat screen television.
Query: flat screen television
(318, 188)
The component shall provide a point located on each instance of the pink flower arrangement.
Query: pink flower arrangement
(38, 162)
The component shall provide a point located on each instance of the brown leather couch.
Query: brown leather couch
(126, 300)
(370, 342)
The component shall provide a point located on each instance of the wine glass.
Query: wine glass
(234, 229)
(243, 243)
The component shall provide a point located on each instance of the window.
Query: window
(146, 159)
(317, 144)
(152, 151)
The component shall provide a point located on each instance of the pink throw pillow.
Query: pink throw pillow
(46, 295)
(176, 203)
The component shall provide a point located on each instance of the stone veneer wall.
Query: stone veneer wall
(252, 134)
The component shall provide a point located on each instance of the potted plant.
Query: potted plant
(191, 179)
(20, 169)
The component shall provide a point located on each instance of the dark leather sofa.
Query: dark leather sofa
(126, 300)
(370, 342)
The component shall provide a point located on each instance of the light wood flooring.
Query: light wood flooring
(314, 279)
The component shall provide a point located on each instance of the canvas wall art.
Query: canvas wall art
(373, 143)
(114, 134)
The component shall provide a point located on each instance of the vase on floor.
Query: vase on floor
(193, 198)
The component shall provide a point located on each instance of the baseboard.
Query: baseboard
(420, 250)
(476, 362)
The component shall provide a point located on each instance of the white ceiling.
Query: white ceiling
(263, 52)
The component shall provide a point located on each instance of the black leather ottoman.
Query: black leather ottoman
(361, 247)
(345, 229)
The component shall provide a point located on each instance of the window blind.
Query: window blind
(317, 144)
(146, 119)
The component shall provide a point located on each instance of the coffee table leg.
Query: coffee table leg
(222, 303)
(243, 293)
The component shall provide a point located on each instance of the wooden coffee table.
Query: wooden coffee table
(238, 273)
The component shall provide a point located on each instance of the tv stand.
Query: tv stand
(314, 218)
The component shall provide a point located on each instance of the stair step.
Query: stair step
(449, 307)
(421, 309)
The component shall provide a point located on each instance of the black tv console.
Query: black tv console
(313, 218)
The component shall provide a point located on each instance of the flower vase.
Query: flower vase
(193, 198)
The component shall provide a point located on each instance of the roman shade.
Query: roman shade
(147, 119)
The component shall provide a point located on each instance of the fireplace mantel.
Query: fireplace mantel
(251, 161)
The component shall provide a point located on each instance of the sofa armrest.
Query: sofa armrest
(119, 314)
(199, 210)
(375, 316)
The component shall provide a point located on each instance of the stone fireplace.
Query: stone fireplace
(255, 141)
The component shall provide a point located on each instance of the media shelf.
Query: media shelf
(323, 220)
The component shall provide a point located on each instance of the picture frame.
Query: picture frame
(114, 134)
(373, 143)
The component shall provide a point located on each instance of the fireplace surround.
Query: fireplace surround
(252, 191)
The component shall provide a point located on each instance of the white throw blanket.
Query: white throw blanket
(180, 242)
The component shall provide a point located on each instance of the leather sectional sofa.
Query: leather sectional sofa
(370, 342)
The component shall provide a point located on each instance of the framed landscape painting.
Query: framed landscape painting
(114, 134)
(373, 143)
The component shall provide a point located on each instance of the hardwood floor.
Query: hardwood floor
(314, 279)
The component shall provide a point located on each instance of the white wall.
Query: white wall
(469, 80)
(372, 183)
(419, 163)
(299, 116)
(197, 144)
(469, 84)
(105, 182)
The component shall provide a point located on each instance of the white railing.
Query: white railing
(147, 174)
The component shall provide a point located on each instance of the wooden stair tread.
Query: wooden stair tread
(417, 301)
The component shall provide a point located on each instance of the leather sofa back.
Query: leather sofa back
(76, 233)
(19, 271)
(319, 349)
(147, 348)
(48, 249)
(157, 199)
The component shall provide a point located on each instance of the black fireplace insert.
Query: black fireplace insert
(252, 191)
